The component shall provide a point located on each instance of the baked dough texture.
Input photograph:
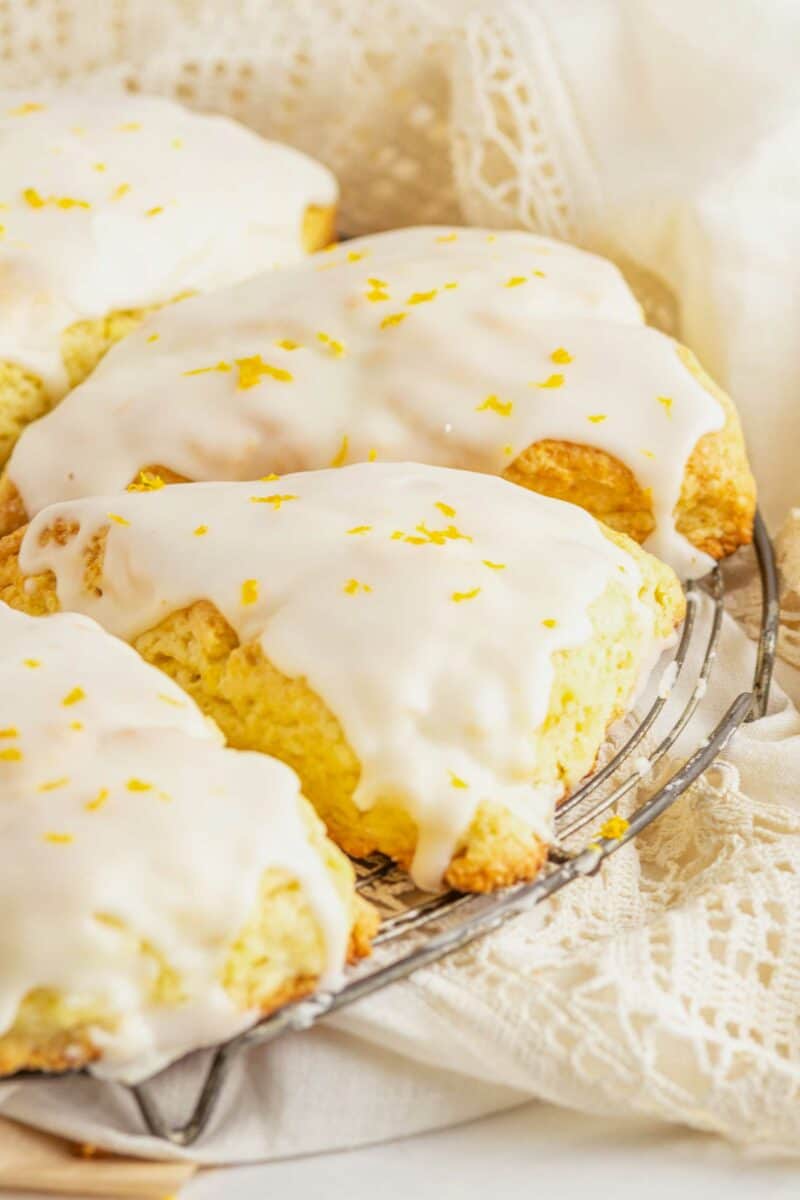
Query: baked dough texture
(505, 353)
(470, 665)
(228, 902)
(109, 212)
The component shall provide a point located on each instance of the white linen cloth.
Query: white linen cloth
(667, 136)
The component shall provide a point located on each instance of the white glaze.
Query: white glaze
(413, 391)
(430, 680)
(178, 861)
(232, 203)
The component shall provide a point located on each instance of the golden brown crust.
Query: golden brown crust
(717, 503)
(588, 477)
(715, 509)
(68, 1050)
(12, 510)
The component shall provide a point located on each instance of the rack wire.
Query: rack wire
(419, 929)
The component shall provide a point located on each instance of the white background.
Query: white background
(531, 1151)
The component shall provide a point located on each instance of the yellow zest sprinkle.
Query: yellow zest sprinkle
(447, 237)
(269, 478)
(220, 366)
(435, 537)
(98, 802)
(648, 454)
(394, 319)
(373, 454)
(11, 754)
(377, 283)
(508, 450)
(59, 839)
(614, 827)
(503, 408)
(561, 356)
(24, 110)
(276, 501)
(340, 457)
(288, 344)
(2, 230)
(120, 191)
(337, 349)
(549, 623)
(76, 725)
(552, 381)
(177, 143)
(375, 295)
(170, 700)
(456, 781)
(32, 197)
(492, 237)
(201, 531)
(354, 585)
(154, 337)
(459, 596)
(99, 167)
(69, 202)
(33, 663)
(253, 369)
(493, 565)
(597, 418)
(360, 529)
(129, 127)
(540, 274)
(666, 402)
(138, 785)
(74, 697)
(446, 509)
(10, 732)
(117, 519)
(53, 784)
(422, 297)
(449, 286)
(155, 210)
(515, 281)
(249, 591)
(146, 481)
(356, 255)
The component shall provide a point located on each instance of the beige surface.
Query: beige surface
(34, 1161)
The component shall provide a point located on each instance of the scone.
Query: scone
(113, 205)
(497, 352)
(159, 892)
(437, 653)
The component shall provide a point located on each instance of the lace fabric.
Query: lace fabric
(669, 984)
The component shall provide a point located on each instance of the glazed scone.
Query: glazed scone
(159, 892)
(437, 653)
(113, 205)
(504, 353)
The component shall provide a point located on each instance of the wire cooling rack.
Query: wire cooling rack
(419, 929)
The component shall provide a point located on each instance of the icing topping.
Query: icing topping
(113, 202)
(415, 345)
(422, 604)
(100, 751)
